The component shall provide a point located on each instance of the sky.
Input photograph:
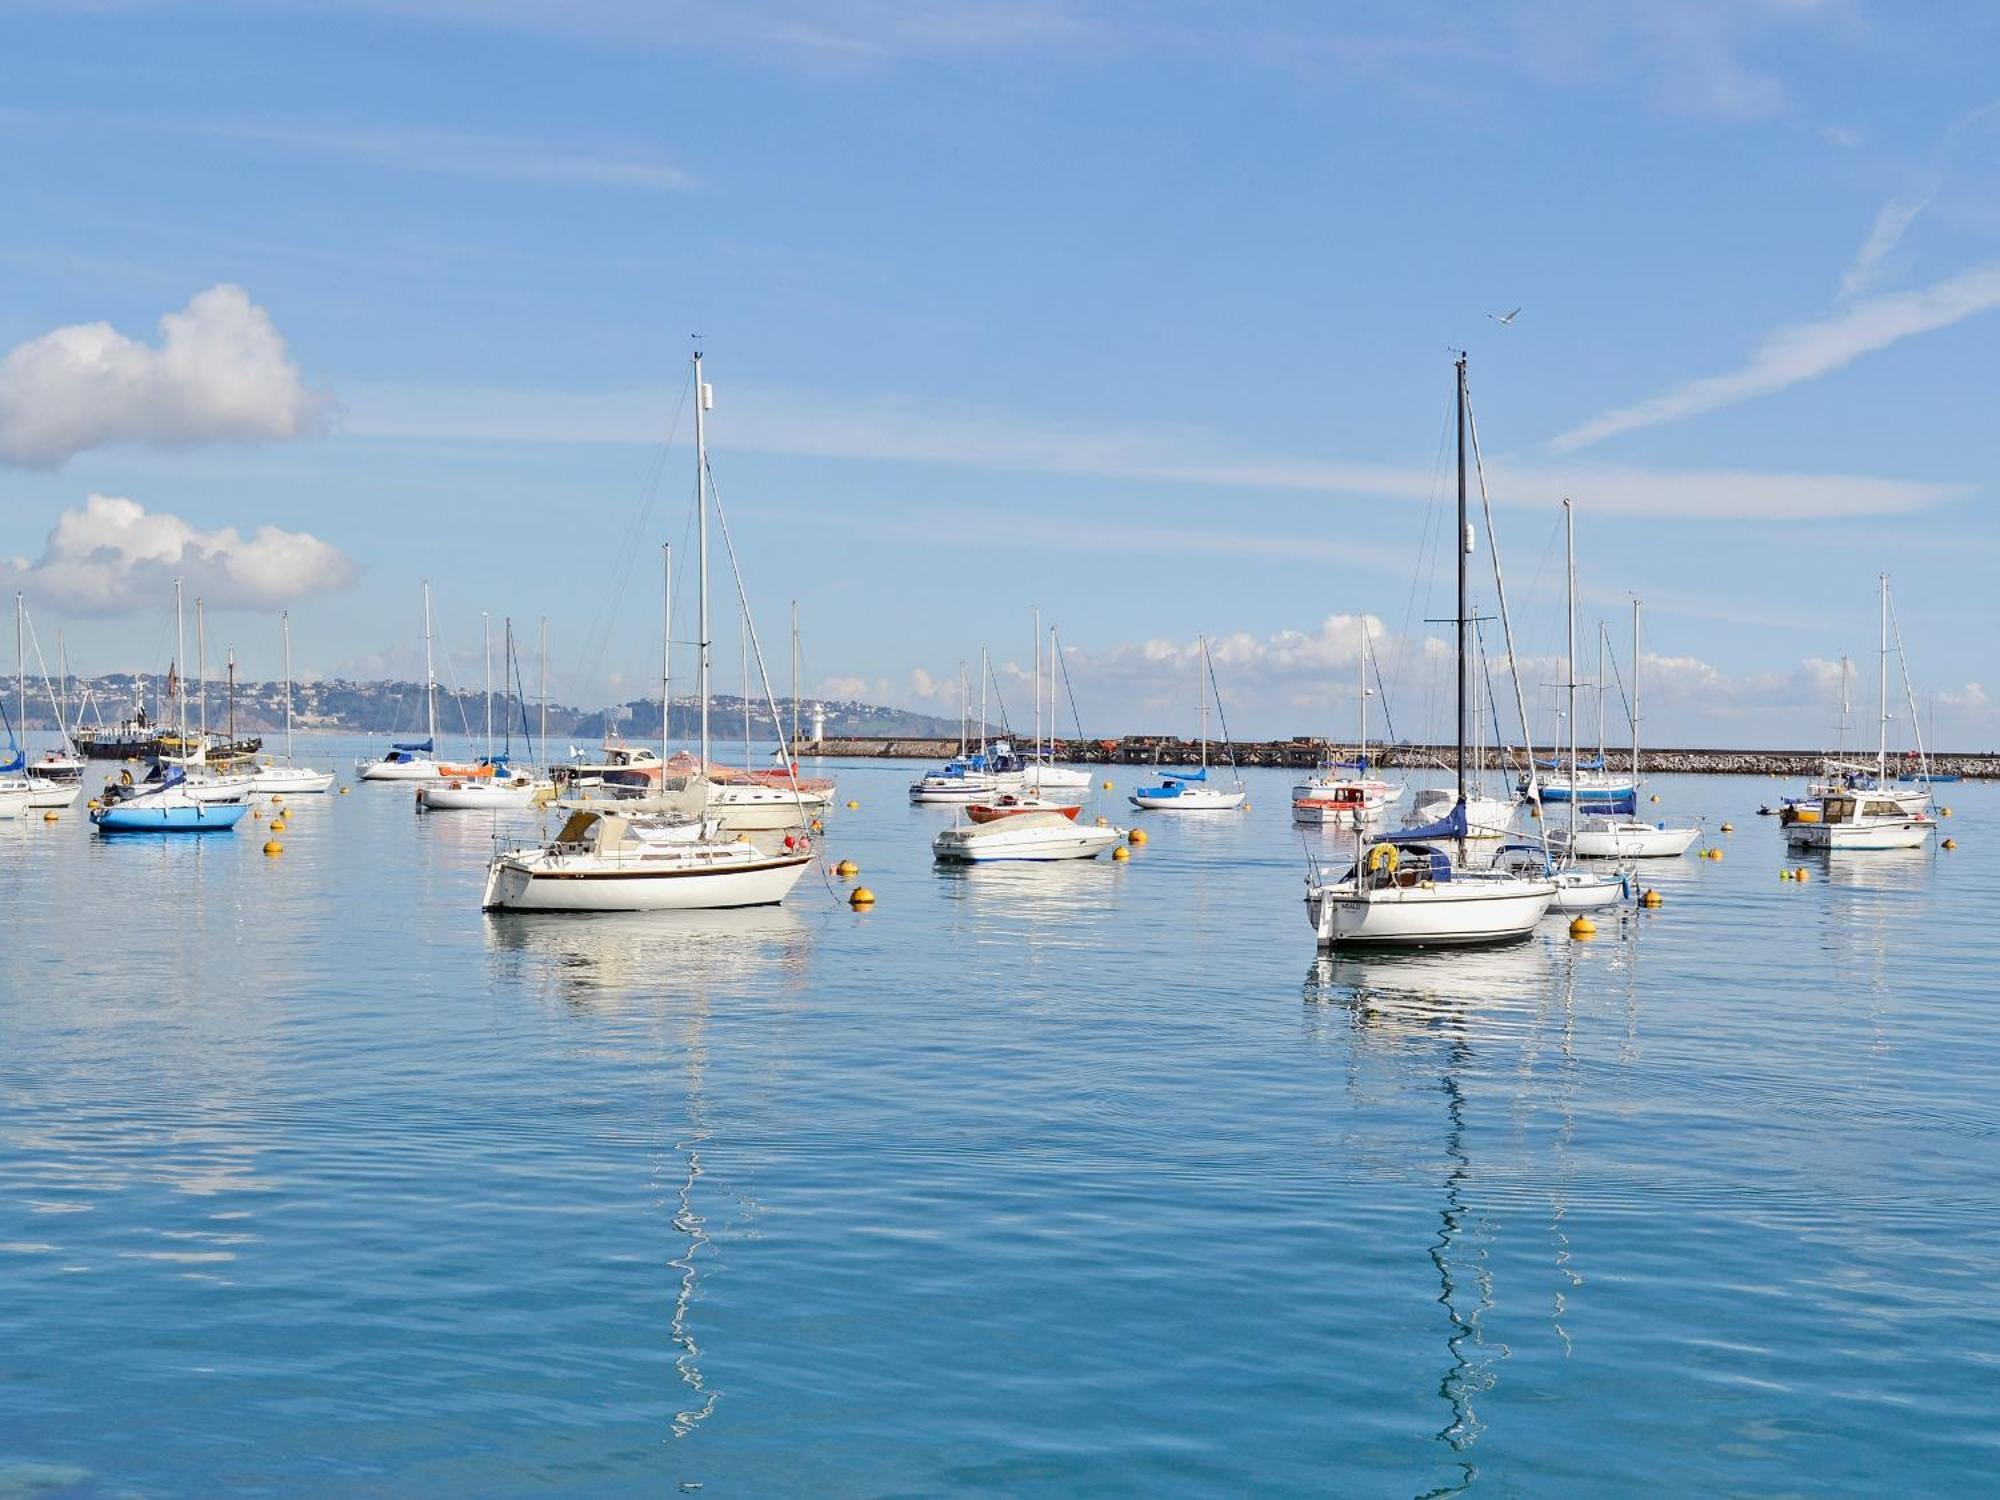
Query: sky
(1139, 316)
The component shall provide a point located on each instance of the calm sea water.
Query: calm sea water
(1067, 1180)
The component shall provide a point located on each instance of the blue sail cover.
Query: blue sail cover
(1450, 826)
(18, 763)
(1628, 805)
(423, 747)
(1595, 763)
(1201, 775)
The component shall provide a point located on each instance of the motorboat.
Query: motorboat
(413, 760)
(1341, 794)
(1015, 804)
(1029, 836)
(1859, 820)
(1191, 791)
(503, 786)
(1620, 835)
(959, 780)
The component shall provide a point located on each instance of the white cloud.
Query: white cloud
(1805, 351)
(1894, 218)
(112, 556)
(1971, 696)
(220, 373)
(920, 431)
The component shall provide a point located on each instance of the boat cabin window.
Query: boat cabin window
(1838, 809)
(1880, 809)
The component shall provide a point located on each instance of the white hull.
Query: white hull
(1454, 913)
(1044, 777)
(1031, 836)
(762, 809)
(1890, 834)
(49, 794)
(291, 781)
(1372, 795)
(401, 770)
(1191, 799)
(13, 804)
(1585, 890)
(476, 796)
(1625, 841)
(532, 884)
(958, 791)
(219, 788)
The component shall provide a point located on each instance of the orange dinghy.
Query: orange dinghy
(1011, 806)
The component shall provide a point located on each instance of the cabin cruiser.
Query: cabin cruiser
(1856, 820)
(1028, 836)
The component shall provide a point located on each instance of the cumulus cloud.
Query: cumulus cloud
(220, 373)
(112, 556)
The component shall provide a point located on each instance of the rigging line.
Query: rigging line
(1228, 745)
(1902, 665)
(757, 650)
(1068, 687)
(603, 626)
(1422, 568)
(41, 661)
(1506, 622)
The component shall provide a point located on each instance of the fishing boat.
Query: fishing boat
(412, 760)
(1191, 791)
(1407, 889)
(1343, 794)
(662, 853)
(1865, 809)
(290, 779)
(166, 802)
(1034, 836)
(1857, 820)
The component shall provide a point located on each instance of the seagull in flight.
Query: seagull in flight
(1505, 320)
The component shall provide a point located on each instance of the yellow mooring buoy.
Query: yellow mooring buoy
(1583, 927)
(50, 817)
(861, 897)
(1652, 898)
(1121, 852)
(1108, 787)
(277, 825)
(1802, 873)
(1784, 874)
(1944, 812)
(1137, 835)
(343, 791)
(1729, 828)
(847, 869)
(272, 846)
(852, 805)
(1948, 843)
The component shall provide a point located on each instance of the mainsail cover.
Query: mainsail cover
(1451, 826)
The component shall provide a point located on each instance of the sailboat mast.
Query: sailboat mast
(62, 706)
(201, 669)
(1882, 738)
(1362, 755)
(507, 685)
(286, 620)
(1635, 697)
(430, 677)
(542, 691)
(180, 655)
(20, 662)
(1037, 753)
(985, 676)
(486, 649)
(1201, 698)
(702, 400)
(795, 677)
(232, 695)
(963, 710)
(1464, 553)
(1569, 663)
(667, 645)
(1600, 690)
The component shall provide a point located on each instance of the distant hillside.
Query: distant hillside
(339, 706)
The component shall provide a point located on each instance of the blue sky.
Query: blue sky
(1141, 315)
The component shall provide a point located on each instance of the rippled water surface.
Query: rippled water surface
(1079, 1179)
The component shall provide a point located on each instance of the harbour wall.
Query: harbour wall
(1148, 750)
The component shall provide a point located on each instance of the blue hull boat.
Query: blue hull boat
(144, 815)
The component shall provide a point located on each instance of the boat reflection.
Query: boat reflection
(1873, 869)
(1059, 901)
(639, 958)
(1492, 1028)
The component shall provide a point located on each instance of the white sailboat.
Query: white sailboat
(290, 779)
(414, 760)
(1614, 830)
(975, 777)
(1408, 891)
(1865, 812)
(664, 853)
(1331, 799)
(230, 780)
(56, 779)
(1041, 772)
(508, 785)
(1578, 888)
(1191, 791)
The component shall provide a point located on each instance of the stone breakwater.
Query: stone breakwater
(1147, 750)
